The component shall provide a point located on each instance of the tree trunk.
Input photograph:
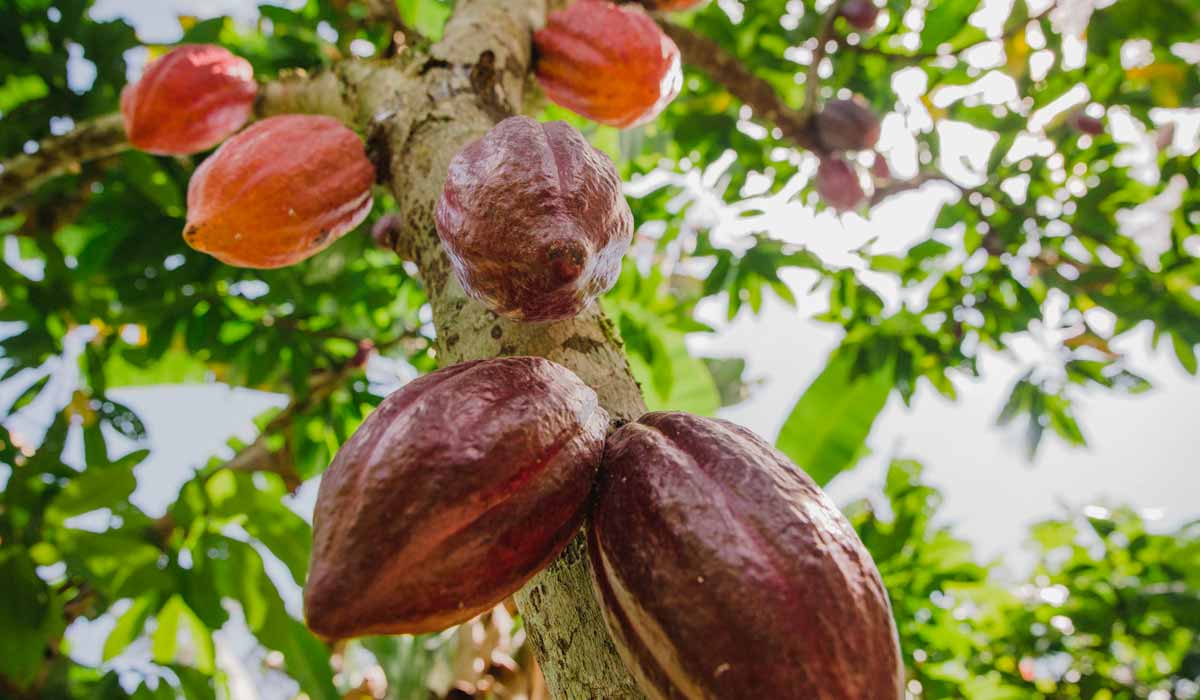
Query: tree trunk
(476, 76)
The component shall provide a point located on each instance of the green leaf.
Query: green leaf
(30, 616)
(98, 487)
(1186, 352)
(129, 625)
(827, 430)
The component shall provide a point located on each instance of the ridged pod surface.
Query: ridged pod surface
(455, 491)
(609, 63)
(725, 573)
(189, 100)
(848, 125)
(279, 192)
(533, 220)
(838, 184)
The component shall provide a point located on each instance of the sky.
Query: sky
(1142, 449)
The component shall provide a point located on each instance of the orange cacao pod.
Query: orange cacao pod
(189, 100)
(848, 125)
(279, 192)
(725, 572)
(533, 220)
(838, 185)
(456, 490)
(609, 63)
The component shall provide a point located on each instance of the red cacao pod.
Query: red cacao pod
(861, 14)
(671, 5)
(838, 185)
(279, 192)
(725, 572)
(456, 490)
(848, 125)
(189, 100)
(609, 63)
(533, 220)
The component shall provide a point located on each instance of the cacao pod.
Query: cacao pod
(1087, 125)
(279, 192)
(838, 185)
(386, 230)
(848, 125)
(456, 490)
(725, 572)
(609, 63)
(671, 5)
(880, 168)
(533, 220)
(861, 14)
(189, 100)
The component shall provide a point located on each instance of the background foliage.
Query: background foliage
(98, 292)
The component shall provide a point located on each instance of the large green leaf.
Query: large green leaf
(826, 432)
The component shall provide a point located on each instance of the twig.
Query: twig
(57, 155)
(910, 184)
(257, 457)
(727, 70)
(812, 80)
(911, 58)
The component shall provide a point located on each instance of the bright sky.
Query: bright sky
(1142, 449)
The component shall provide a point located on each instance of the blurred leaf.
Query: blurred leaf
(827, 430)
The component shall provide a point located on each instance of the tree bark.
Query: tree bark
(472, 79)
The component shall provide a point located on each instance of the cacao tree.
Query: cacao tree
(742, 106)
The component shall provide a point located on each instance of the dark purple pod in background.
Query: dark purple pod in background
(724, 572)
(848, 125)
(861, 14)
(455, 491)
(533, 220)
(838, 185)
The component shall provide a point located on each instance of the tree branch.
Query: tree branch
(727, 70)
(812, 79)
(915, 182)
(403, 36)
(58, 155)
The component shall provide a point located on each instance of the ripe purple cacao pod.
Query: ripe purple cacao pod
(455, 491)
(848, 125)
(279, 192)
(725, 572)
(880, 168)
(838, 185)
(609, 63)
(1087, 125)
(189, 100)
(861, 14)
(533, 220)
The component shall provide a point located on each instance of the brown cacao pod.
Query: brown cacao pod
(609, 63)
(725, 572)
(838, 184)
(671, 5)
(861, 14)
(880, 169)
(279, 192)
(848, 125)
(533, 220)
(456, 490)
(189, 100)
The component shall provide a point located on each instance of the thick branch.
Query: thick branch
(58, 155)
(727, 70)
